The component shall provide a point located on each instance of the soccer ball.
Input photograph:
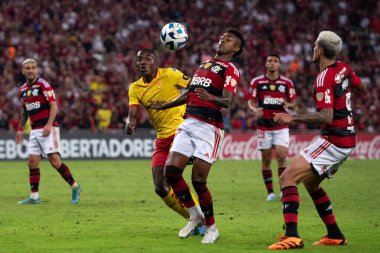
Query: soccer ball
(173, 36)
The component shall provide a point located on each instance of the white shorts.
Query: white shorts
(325, 157)
(198, 139)
(269, 139)
(41, 145)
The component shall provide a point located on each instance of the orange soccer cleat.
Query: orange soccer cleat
(287, 242)
(329, 241)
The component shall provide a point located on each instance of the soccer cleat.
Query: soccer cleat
(191, 225)
(287, 242)
(212, 234)
(76, 194)
(330, 241)
(271, 197)
(280, 195)
(200, 230)
(29, 200)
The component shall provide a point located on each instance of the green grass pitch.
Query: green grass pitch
(119, 211)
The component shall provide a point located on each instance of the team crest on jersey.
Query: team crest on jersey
(281, 88)
(319, 96)
(35, 92)
(158, 83)
(272, 87)
(216, 69)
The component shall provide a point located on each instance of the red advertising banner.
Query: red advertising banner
(244, 146)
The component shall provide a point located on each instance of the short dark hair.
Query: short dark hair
(148, 51)
(237, 33)
(274, 55)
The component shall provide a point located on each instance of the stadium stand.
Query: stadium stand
(86, 49)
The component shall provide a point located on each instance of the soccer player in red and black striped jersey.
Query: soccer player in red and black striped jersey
(200, 136)
(269, 94)
(332, 94)
(38, 103)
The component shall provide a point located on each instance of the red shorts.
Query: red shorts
(161, 151)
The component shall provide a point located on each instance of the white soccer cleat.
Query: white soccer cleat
(191, 225)
(212, 234)
(271, 197)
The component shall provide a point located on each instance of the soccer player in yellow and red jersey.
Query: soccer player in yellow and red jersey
(158, 84)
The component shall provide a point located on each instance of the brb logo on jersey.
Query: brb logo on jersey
(32, 106)
(273, 101)
(201, 81)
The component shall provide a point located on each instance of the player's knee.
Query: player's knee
(173, 174)
(55, 160)
(199, 187)
(33, 163)
(285, 178)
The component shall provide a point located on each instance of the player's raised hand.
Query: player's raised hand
(282, 118)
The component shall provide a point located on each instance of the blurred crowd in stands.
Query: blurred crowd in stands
(86, 49)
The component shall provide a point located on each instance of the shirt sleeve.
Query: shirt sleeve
(252, 93)
(232, 77)
(181, 79)
(291, 95)
(355, 80)
(324, 92)
(133, 99)
(48, 92)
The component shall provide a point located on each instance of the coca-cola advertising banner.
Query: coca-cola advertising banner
(244, 146)
(118, 145)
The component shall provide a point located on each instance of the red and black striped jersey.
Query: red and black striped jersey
(36, 99)
(270, 95)
(214, 76)
(332, 89)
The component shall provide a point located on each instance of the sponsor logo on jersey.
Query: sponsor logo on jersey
(32, 106)
(49, 94)
(327, 97)
(201, 81)
(338, 78)
(273, 101)
(265, 87)
(345, 84)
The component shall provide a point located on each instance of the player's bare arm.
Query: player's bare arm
(130, 124)
(252, 105)
(224, 101)
(180, 100)
(23, 120)
(53, 113)
(289, 105)
(325, 116)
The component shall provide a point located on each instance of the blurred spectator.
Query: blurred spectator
(86, 49)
